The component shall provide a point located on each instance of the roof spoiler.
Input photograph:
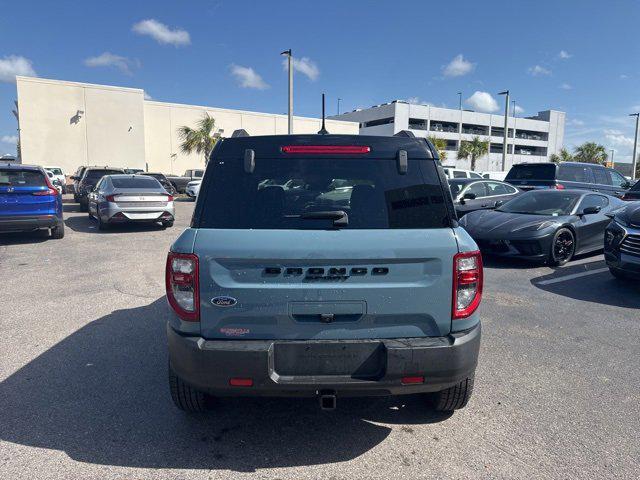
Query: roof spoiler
(404, 133)
(241, 132)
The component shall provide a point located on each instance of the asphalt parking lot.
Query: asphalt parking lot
(83, 390)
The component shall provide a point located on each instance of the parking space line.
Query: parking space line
(572, 276)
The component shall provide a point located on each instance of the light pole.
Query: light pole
(612, 164)
(459, 124)
(290, 111)
(460, 100)
(506, 128)
(339, 105)
(634, 160)
(513, 103)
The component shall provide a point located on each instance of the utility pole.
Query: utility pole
(506, 128)
(290, 110)
(612, 164)
(339, 105)
(634, 160)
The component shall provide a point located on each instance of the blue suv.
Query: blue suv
(28, 201)
(323, 266)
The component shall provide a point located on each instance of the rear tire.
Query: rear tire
(168, 224)
(186, 397)
(58, 232)
(102, 225)
(453, 398)
(563, 246)
(84, 207)
(618, 274)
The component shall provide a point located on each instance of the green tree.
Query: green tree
(590, 152)
(563, 156)
(474, 149)
(441, 145)
(200, 139)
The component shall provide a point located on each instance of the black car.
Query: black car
(168, 186)
(89, 180)
(568, 175)
(622, 243)
(471, 194)
(76, 177)
(547, 225)
(633, 193)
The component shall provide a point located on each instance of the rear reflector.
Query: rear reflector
(412, 380)
(558, 186)
(241, 382)
(327, 149)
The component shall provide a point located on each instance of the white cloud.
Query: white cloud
(563, 55)
(147, 96)
(518, 110)
(13, 65)
(162, 33)
(108, 59)
(538, 70)
(458, 67)
(624, 77)
(565, 86)
(248, 78)
(304, 65)
(483, 102)
(417, 101)
(617, 138)
(11, 139)
(575, 122)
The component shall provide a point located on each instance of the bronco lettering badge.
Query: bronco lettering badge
(223, 301)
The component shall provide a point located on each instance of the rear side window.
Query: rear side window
(594, 201)
(21, 178)
(134, 182)
(617, 180)
(95, 175)
(532, 172)
(281, 192)
(459, 174)
(601, 176)
(496, 188)
(575, 173)
(55, 171)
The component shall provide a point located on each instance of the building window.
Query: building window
(496, 148)
(417, 124)
(531, 135)
(499, 132)
(449, 127)
(475, 129)
(528, 150)
(374, 123)
(451, 145)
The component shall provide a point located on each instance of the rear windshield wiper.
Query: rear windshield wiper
(339, 217)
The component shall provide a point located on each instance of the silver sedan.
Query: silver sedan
(130, 198)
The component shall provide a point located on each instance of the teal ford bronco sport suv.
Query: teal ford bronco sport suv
(327, 266)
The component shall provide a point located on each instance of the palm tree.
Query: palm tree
(441, 145)
(590, 152)
(476, 148)
(563, 156)
(200, 139)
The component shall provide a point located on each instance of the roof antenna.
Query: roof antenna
(323, 130)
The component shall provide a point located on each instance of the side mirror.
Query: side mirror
(73, 177)
(610, 215)
(499, 203)
(591, 210)
(469, 196)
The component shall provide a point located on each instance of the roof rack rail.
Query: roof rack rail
(404, 133)
(241, 132)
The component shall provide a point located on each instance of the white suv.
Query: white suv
(452, 172)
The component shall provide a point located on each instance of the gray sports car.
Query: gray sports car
(546, 225)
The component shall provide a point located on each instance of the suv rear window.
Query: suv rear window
(280, 191)
(21, 178)
(532, 172)
(134, 182)
(95, 175)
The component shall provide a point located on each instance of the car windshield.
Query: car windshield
(455, 187)
(92, 176)
(135, 182)
(542, 203)
(21, 178)
(532, 172)
(314, 193)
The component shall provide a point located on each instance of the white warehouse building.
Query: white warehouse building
(69, 124)
(530, 139)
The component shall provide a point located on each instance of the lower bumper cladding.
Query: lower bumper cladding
(306, 368)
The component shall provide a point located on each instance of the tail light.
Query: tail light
(326, 149)
(169, 198)
(111, 198)
(628, 198)
(51, 190)
(467, 283)
(558, 186)
(181, 279)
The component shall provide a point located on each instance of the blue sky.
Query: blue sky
(582, 57)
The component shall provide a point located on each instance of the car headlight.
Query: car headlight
(534, 227)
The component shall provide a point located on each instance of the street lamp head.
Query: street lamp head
(506, 92)
(286, 52)
(634, 114)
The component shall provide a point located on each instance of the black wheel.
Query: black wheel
(168, 224)
(618, 274)
(186, 397)
(75, 198)
(563, 247)
(84, 207)
(453, 398)
(58, 232)
(102, 225)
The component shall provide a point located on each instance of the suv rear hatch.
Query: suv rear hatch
(25, 192)
(324, 246)
(528, 176)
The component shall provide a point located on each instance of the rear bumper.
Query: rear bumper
(25, 223)
(113, 214)
(208, 365)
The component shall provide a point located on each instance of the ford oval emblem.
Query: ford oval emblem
(224, 301)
